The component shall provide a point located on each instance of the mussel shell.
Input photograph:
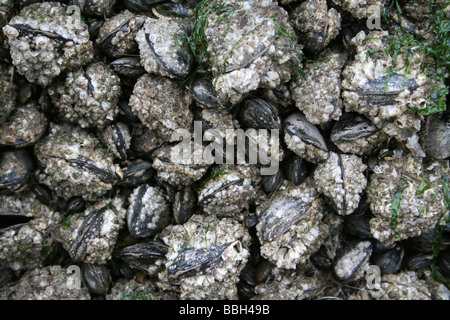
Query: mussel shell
(321, 260)
(357, 224)
(15, 169)
(75, 205)
(272, 183)
(42, 193)
(184, 204)
(129, 67)
(139, 6)
(192, 261)
(148, 213)
(23, 128)
(258, 114)
(436, 136)
(90, 228)
(13, 221)
(297, 125)
(419, 262)
(203, 91)
(96, 277)
(141, 255)
(389, 261)
(5, 55)
(350, 259)
(352, 128)
(296, 169)
(443, 263)
(136, 173)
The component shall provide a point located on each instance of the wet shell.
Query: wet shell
(148, 213)
(15, 169)
(304, 139)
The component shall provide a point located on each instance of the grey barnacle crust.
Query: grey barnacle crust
(290, 226)
(317, 93)
(176, 168)
(401, 286)
(386, 101)
(228, 191)
(341, 180)
(45, 41)
(316, 24)
(74, 163)
(162, 105)
(90, 236)
(116, 37)
(88, 97)
(47, 283)
(164, 49)
(360, 8)
(406, 197)
(8, 94)
(286, 284)
(205, 258)
(247, 51)
(130, 289)
(23, 247)
(25, 127)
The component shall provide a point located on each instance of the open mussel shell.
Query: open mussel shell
(258, 114)
(97, 278)
(15, 169)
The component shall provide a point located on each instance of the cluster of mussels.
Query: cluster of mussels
(93, 91)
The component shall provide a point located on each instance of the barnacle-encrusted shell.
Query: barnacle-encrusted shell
(117, 138)
(316, 24)
(26, 126)
(341, 180)
(290, 226)
(177, 168)
(402, 286)
(355, 134)
(48, 283)
(317, 92)
(90, 236)
(116, 36)
(205, 258)
(288, 284)
(24, 247)
(45, 41)
(352, 261)
(148, 213)
(162, 105)
(164, 49)
(96, 7)
(8, 94)
(130, 289)
(75, 163)
(360, 8)
(228, 191)
(245, 47)
(89, 98)
(410, 189)
(386, 99)
(304, 139)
